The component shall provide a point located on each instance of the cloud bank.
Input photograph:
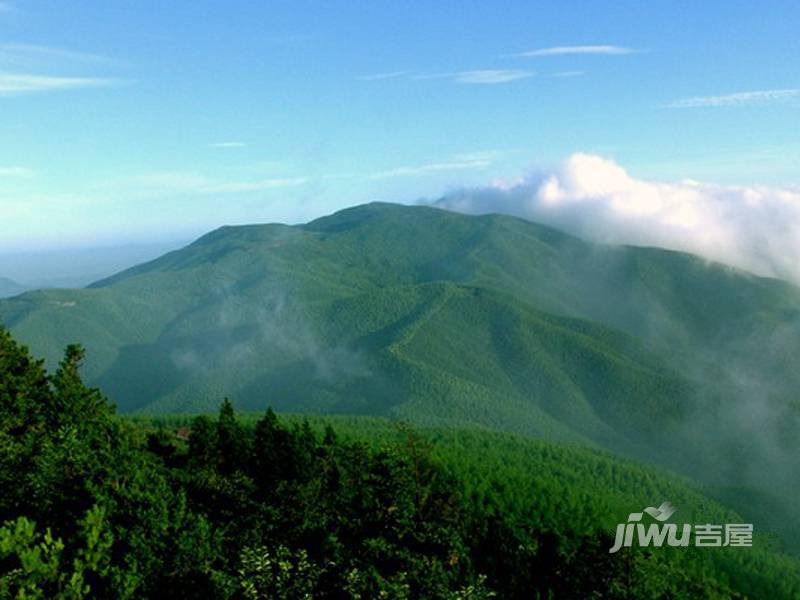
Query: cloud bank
(756, 228)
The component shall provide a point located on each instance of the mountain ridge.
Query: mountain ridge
(9, 287)
(424, 314)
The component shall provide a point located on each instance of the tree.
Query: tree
(232, 444)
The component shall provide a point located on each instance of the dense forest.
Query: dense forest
(98, 506)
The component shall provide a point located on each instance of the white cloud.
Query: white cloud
(571, 50)
(737, 99)
(489, 156)
(481, 76)
(30, 68)
(381, 76)
(459, 162)
(228, 145)
(473, 76)
(38, 55)
(491, 76)
(16, 172)
(756, 228)
(20, 83)
(566, 74)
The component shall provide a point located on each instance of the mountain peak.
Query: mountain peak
(353, 216)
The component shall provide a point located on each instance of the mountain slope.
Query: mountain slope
(9, 288)
(275, 274)
(438, 317)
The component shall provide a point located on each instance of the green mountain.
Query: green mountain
(443, 318)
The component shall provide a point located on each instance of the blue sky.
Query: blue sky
(126, 121)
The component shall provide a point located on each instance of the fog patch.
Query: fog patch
(257, 336)
(756, 228)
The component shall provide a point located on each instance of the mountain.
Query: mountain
(9, 288)
(443, 318)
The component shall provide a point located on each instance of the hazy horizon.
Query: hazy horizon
(78, 266)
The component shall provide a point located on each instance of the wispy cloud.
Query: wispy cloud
(568, 74)
(381, 76)
(30, 68)
(475, 76)
(488, 156)
(196, 183)
(481, 76)
(228, 145)
(571, 50)
(48, 56)
(459, 162)
(737, 99)
(22, 83)
(491, 76)
(16, 172)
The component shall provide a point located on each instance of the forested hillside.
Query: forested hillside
(444, 320)
(95, 506)
(244, 306)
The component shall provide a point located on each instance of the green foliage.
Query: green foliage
(279, 575)
(37, 560)
(70, 466)
(95, 506)
(34, 563)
